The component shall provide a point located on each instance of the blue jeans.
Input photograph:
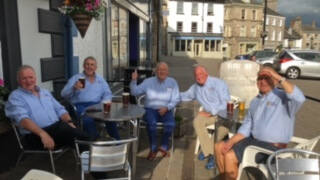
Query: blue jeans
(151, 117)
(89, 126)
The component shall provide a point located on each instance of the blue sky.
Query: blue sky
(308, 9)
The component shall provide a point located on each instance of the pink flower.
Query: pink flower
(97, 3)
(1, 82)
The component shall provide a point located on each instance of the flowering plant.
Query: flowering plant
(93, 8)
(4, 92)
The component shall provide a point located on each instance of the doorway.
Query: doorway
(197, 48)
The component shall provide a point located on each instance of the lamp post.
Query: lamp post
(264, 33)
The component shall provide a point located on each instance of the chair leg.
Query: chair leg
(15, 167)
(52, 162)
(197, 146)
(172, 143)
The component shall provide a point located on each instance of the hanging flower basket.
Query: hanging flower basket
(82, 22)
(82, 11)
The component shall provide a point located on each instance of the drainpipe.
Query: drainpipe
(149, 37)
(68, 48)
(108, 42)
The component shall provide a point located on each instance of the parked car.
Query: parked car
(242, 56)
(267, 61)
(296, 63)
(256, 55)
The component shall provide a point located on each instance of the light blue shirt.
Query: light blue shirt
(271, 117)
(213, 95)
(158, 94)
(97, 91)
(44, 110)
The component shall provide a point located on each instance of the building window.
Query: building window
(273, 36)
(218, 46)
(194, 27)
(243, 14)
(253, 31)
(210, 9)
(280, 22)
(274, 21)
(179, 7)
(189, 45)
(266, 38)
(183, 45)
(254, 14)
(209, 27)
(212, 45)
(177, 47)
(242, 31)
(179, 26)
(279, 36)
(267, 21)
(194, 9)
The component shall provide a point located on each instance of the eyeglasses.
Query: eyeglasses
(263, 78)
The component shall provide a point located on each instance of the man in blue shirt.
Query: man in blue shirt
(38, 113)
(269, 123)
(161, 97)
(96, 90)
(212, 94)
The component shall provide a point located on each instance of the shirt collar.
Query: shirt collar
(29, 92)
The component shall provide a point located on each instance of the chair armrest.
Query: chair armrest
(249, 155)
(298, 140)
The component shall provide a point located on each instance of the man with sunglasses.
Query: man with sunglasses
(269, 123)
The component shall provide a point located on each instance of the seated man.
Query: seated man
(162, 95)
(212, 94)
(38, 113)
(269, 123)
(93, 91)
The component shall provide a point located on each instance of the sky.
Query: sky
(308, 10)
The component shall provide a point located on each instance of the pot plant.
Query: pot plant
(82, 11)
(181, 126)
(4, 93)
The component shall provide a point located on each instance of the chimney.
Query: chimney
(314, 23)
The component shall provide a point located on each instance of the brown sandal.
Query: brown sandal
(164, 152)
(151, 155)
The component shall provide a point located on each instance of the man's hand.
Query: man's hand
(46, 140)
(204, 114)
(162, 111)
(134, 75)
(71, 124)
(78, 85)
(226, 147)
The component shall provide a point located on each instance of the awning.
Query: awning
(213, 38)
(184, 37)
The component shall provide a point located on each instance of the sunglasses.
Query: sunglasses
(263, 78)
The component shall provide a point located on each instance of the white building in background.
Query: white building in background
(195, 29)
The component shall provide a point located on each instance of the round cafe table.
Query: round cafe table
(119, 113)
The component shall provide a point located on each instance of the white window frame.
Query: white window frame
(210, 10)
(242, 31)
(253, 31)
(179, 29)
(194, 9)
(179, 7)
(194, 29)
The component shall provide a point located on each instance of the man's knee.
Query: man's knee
(231, 157)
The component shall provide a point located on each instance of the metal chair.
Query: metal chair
(251, 152)
(299, 165)
(72, 110)
(29, 150)
(142, 123)
(105, 156)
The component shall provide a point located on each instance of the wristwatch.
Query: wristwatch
(282, 80)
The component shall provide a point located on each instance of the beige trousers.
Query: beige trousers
(200, 124)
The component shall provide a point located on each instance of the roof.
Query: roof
(309, 28)
(273, 13)
(253, 2)
(202, 1)
(293, 35)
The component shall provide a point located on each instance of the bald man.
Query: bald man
(212, 93)
(161, 97)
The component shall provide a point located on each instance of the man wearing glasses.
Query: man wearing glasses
(269, 123)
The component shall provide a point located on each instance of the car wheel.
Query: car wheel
(293, 73)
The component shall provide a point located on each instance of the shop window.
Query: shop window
(189, 45)
(209, 27)
(212, 45)
(177, 45)
(183, 45)
(206, 45)
(218, 45)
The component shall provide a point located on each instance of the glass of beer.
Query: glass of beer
(83, 81)
(230, 106)
(107, 106)
(242, 105)
(125, 98)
